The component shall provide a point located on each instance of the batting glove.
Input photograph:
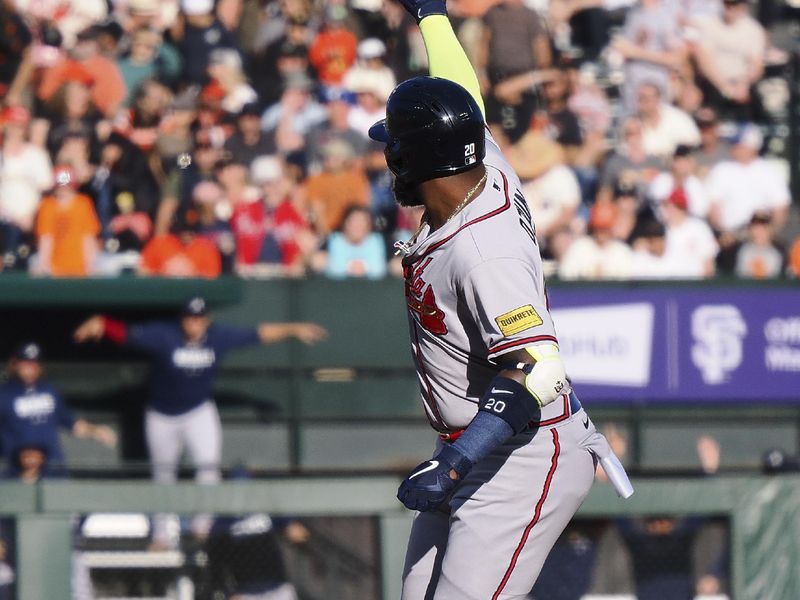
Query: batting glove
(419, 9)
(430, 483)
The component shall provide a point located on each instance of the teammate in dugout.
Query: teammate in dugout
(185, 355)
(517, 453)
(31, 413)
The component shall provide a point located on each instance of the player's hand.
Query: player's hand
(431, 482)
(310, 333)
(91, 329)
(105, 435)
(297, 533)
(419, 9)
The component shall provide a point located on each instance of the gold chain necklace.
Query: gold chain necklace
(404, 248)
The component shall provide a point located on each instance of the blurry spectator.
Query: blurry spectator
(225, 70)
(16, 62)
(184, 255)
(661, 551)
(185, 354)
(294, 114)
(561, 122)
(68, 18)
(371, 66)
(565, 124)
(664, 127)
(245, 559)
(149, 57)
(248, 142)
(175, 209)
(277, 63)
(557, 246)
(269, 226)
(691, 247)
(630, 212)
(730, 60)
(197, 34)
(759, 257)
(568, 568)
(232, 175)
(533, 153)
(150, 14)
(69, 111)
(629, 165)
(403, 55)
(31, 413)
(66, 229)
(589, 101)
(514, 41)
(712, 148)
(142, 124)
(794, 258)
(280, 17)
(7, 560)
(554, 197)
(651, 46)
(597, 255)
(109, 38)
(355, 251)
(87, 65)
(338, 103)
(371, 95)
(581, 27)
(649, 252)
(25, 173)
(383, 204)
(175, 138)
(78, 151)
(126, 194)
(746, 184)
(213, 212)
(681, 175)
(334, 50)
(340, 184)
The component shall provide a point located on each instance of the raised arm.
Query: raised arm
(446, 57)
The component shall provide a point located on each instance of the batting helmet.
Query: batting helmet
(433, 128)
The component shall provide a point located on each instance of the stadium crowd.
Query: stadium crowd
(194, 138)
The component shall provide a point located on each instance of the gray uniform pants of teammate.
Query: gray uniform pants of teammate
(504, 517)
(200, 432)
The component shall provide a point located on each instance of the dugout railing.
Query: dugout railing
(763, 511)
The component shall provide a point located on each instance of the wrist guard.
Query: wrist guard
(510, 401)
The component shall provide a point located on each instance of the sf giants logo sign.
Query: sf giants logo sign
(422, 300)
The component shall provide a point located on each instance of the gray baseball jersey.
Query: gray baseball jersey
(475, 290)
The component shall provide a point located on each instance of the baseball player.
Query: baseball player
(185, 356)
(516, 452)
(31, 413)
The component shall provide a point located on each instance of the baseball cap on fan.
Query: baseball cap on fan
(750, 135)
(28, 351)
(197, 7)
(15, 115)
(195, 307)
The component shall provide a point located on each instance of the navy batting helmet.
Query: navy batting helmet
(433, 128)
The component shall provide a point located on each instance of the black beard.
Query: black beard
(406, 194)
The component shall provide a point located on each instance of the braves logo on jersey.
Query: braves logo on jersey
(421, 299)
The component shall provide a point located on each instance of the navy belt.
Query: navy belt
(574, 403)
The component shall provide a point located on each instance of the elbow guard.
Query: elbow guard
(510, 401)
(547, 379)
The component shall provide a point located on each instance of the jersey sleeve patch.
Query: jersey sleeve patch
(517, 320)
